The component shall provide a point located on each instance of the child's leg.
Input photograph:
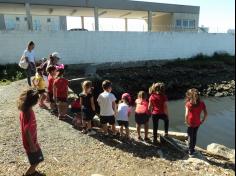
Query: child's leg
(121, 130)
(89, 125)
(64, 108)
(127, 132)
(146, 127)
(195, 137)
(190, 139)
(155, 127)
(104, 128)
(138, 130)
(113, 127)
(31, 170)
(166, 121)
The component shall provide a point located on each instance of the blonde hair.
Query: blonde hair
(86, 85)
(193, 95)
(142, 95)
(157, 87)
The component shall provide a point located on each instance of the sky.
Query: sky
(218, 15)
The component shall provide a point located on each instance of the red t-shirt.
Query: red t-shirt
(194, 113)
(28, 121)
(158, 102)
(61, 85)
(50, 83)
(141, 106)
(76, 104)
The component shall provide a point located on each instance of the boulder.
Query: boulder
(221, 150)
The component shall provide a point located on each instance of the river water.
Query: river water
(219, 127)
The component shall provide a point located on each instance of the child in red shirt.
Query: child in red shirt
(60, 93)
(27, 100)
(158, 107)
(51, 77)
(193, 109)
(142, 115)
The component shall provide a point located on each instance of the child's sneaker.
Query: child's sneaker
(147, 140)
(91, 132)
(140, 138)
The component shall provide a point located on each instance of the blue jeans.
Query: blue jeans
(30, 72)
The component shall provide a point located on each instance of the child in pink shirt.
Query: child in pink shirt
(142, 115)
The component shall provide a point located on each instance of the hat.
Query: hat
(126, 96)
(56, 54)
(60, 67)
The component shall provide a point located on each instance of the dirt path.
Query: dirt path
(70, 153)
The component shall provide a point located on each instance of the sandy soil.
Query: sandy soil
(71, 153)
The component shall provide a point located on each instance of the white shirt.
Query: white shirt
(30, 55)
(105, 101)
(123, 112)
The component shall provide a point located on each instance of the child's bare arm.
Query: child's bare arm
(150, 106)
(54, 92)
(166, 109)
(186, 115)
(205, 115)
(114, 106)
(30, 141)
(93, 104)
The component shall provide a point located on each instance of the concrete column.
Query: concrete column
(2, 23)
(29, 17)
(126, 24)
(149, 21)
(82, 22)
(63, 23)
(96, 19)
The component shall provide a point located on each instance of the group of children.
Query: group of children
(154, 107)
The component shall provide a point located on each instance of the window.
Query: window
(178, 23)
(185, 23)
(17, 18)
(49, 20)
(192, 24)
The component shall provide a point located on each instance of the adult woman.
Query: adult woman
(29, 56)
(53, 60)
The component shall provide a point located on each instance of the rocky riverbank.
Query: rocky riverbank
(213, 76)
(68, 152)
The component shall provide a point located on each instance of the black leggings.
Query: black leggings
(192, 138)
(155, 119)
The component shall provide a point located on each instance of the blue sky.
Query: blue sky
(218, 15)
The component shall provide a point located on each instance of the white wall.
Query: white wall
(99, 47)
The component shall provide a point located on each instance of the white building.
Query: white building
(42, 15)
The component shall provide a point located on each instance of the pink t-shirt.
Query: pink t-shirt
(158, 102)
(141, 106)
(28, 121)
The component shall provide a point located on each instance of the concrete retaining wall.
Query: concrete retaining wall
(101, 47)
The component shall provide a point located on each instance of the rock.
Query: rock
(196, 161)
(219, 94)
(222, 151)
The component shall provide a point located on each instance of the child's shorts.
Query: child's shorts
(123, 123)
(107, 119)
(61, 100)
(41, 91)
(141, 119)
(75, 110)
(36, 157)
(87, 114)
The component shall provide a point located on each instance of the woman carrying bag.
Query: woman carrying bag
(27, 61)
